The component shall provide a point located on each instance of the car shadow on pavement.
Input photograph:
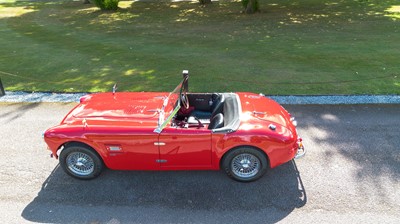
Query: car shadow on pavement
(63, 199)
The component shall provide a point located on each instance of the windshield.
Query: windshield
(170, 107)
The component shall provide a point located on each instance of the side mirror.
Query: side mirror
(114, 89)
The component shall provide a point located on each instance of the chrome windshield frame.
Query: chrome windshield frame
(174, 103)
(161, 126)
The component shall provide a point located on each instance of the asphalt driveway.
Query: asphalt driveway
(351, 174)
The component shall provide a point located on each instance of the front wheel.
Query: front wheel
(245, 164)
(81, 162)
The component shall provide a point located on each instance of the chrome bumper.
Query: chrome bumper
(301, 151)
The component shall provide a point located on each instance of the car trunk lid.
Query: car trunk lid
(263, 108)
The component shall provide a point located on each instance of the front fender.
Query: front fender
(60, 135)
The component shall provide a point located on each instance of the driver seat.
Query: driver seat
(216, 107)
(217, 121)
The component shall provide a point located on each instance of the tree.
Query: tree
(203, 2)
(107, 4)
(250, 6)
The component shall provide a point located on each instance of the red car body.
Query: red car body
(120, 128)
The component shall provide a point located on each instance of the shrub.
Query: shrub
(107, 4)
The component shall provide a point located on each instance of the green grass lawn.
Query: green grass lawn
(290, 47)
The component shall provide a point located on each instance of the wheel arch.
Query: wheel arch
(79, 143)
(241, 146)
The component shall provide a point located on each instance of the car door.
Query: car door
(185, 148)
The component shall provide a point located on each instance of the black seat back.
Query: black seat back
(217, 105)
(217, 121)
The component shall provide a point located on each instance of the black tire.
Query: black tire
(245, 164)
(81, 162)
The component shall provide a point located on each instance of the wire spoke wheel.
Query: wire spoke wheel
(245, 165)
(80, 163)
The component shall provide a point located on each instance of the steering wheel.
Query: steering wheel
(185, 100)
(184, 97)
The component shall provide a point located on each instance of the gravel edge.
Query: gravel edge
(37, 97)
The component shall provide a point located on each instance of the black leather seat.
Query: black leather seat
(216, 107)
(217, 121)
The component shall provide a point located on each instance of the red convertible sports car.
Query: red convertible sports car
(242, 133)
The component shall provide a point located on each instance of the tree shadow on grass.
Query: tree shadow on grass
(186, 196)
(81, 49)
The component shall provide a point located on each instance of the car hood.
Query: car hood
(129, 107)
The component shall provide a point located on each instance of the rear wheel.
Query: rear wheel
(245, 164)
(81, 162)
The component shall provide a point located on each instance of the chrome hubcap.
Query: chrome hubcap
(245, 165)
(80, 163)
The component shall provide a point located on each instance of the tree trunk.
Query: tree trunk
(203, 2)
(251, 7)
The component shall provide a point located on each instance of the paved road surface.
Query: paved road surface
(351, 174)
